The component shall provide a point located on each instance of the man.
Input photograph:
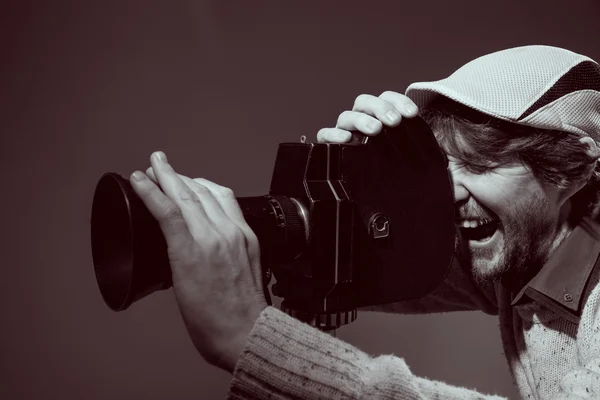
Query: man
(520, 128)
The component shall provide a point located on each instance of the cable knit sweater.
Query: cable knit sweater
(550, 356)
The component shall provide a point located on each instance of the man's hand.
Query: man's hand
(367, 116)
(214, 258)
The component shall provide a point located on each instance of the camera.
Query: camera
(343, 226)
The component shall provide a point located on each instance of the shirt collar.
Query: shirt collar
(560, 283)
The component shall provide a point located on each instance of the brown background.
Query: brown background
(96, 86)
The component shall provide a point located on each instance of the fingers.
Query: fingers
(358, 121)
(333, 135)
(226, 198)
(389, 107)
(179, 192)
(150, 174)
(219, 201)
(162, 208)
(220, 204)
(403, 104)
(224, 213)
(215, 212)
(368, 116)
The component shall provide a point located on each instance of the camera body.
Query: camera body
(378, 219)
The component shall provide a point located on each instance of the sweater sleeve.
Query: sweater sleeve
(457, 292)
(287, 359)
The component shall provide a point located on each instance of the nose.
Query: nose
(461, 194)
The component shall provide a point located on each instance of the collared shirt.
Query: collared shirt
(560, 284)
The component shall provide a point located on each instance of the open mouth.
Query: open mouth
(479, 230)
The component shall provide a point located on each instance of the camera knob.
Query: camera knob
(379, 226)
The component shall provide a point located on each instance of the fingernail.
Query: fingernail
(160, 157)
(410, 108)
(138, 176)
(392, 116)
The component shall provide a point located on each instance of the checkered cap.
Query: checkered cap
(539, 86)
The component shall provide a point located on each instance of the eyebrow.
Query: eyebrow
(452, 149)
(475, 159)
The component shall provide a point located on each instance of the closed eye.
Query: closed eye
(479, 167)
(476, 168)
(471, 167)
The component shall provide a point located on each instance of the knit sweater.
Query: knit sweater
(550, 355)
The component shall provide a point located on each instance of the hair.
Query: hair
(554, 157)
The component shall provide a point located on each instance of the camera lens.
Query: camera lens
(129, 250)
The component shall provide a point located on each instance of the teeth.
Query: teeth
(473, 223)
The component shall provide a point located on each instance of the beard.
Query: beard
(528, 235)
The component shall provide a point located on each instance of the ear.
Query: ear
(591, 148)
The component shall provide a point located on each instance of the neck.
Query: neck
(515, 279)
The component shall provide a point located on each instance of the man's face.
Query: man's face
(507, 219)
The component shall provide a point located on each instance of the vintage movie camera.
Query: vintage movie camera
(343, 226)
